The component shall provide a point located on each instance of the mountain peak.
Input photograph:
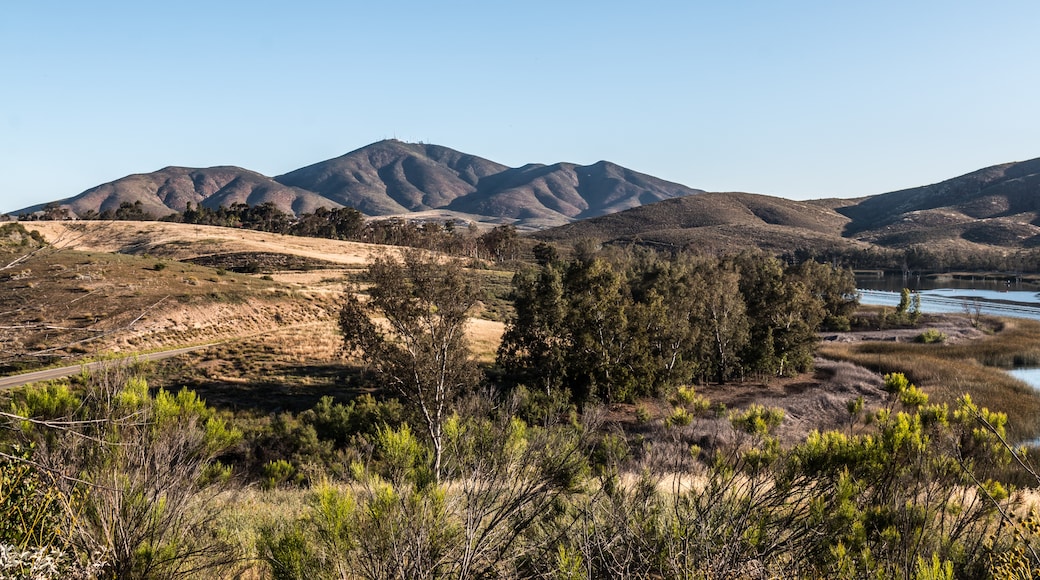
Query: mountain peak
(393, 177)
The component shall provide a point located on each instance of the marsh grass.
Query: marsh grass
(948, 371)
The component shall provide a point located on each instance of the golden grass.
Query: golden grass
(184, 241)
(484, 337)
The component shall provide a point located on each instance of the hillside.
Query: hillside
(716, 222)
(392, 177)
(170, 189)
(991, 210)
(998, 206)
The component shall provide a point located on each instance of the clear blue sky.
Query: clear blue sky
(799, 99)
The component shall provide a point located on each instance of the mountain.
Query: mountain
(394, 178)
(998, 205)
(391, 178)
(170, 189)
(545, 195)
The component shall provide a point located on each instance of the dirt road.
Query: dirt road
(58, 373)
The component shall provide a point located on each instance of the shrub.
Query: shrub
(642, 413)
(137, 463)
(276, 473)
(680, 417)
(931, 336)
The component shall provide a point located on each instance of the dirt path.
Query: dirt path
(12, 381)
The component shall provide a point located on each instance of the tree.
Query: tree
(423, 352)
(501, 243)
(600, 338)
(723, 316)
(535, 343)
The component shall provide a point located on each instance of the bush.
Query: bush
(135, 464)
(931, 336)
(276, 473)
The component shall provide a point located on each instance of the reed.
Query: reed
(976, 368)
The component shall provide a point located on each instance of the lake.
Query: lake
(995, 296)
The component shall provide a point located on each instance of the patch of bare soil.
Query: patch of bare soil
(956, 328)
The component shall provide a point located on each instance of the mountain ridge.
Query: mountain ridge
(392, 177)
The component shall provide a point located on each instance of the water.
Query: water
(944, 293)
(895, 282)
(1013, 303)
(993, 297)
(1030, 376)
(995, 302)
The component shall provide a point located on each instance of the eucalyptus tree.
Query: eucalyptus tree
(421, 351)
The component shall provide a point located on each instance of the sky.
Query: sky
(797, 99)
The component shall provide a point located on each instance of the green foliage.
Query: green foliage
(425, 356)
(757, 420)
(33, 511)
(44, 401)
(642, 325)
(402, 458)
(931, 336)
(341, 423)
(904, 302)
(289, 554)
(679, 417)
(569, 565)
(901, 389)
(642, 413)
(139, 467)
(276, 473)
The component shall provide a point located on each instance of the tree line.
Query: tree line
(644, 324)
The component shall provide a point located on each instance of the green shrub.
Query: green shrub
(680, 417)
(289, 553)
(276, 473)
(642, 413)
(931, 336)
(837, 323)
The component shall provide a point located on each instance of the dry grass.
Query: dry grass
(948, 371)
(184, 241)
(485, 336)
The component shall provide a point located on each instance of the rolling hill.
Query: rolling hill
(998, 206)
(170, 189)
(715, 222)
